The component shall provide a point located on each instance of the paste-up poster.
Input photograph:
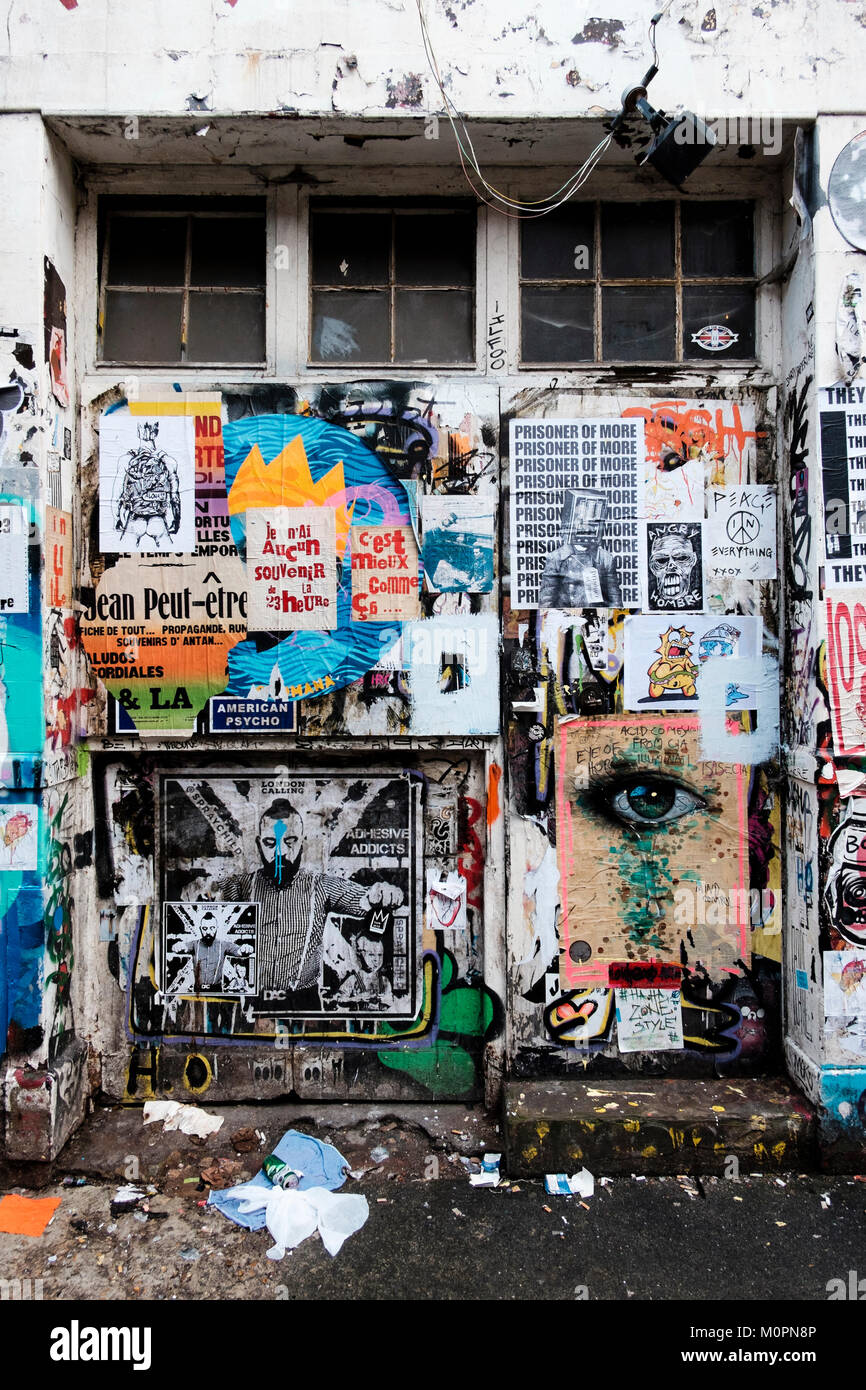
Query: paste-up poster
(292, 569)
(446, 900)
(19, 836)
(58, 557)
(458, 543)
(385, 582)
(649, 1020)
(574, 532)
(146, 484)
(846, 667)
(690, 444)
(843, 469)
(667, 655)
(844, 982)
(453, 666)
(741, 532)
(672, 570)
(653, 849)
(54, 320)
(14, 572)
(292, 895)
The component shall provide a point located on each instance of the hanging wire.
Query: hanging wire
(523, 209)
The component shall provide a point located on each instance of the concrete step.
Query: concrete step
(671, 1125)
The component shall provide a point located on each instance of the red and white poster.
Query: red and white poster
(846, 667)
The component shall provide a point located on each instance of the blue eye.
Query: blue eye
(648, 801)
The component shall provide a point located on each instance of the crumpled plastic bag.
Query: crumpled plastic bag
(189, 1119)
(321, 1165)
(291, 1215)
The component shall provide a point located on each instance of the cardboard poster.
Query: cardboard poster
(653, 849)
(158, 634)
(19, 836)
(843, 469)
(317, 876)
(146, 484)
(846, 667)
(672, 569)
(292, 569)
(385, 578)
(649, 1020)
(574, 534)
(14, 573)
(741, 532)
(458, 544)
(667, 655)
(58, 557)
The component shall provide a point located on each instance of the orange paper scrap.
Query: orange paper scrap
(26, 1216)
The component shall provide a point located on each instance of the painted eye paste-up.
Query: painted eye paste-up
(384, 574)
(158, 635)
(19, 836)
(666, 655)
(146, 484)
(846, 667)
(649, 1020)
(14, 540)
(652, 845)
(292, 569)
(741, 532)
(573, 512)
(458, 544)
(319, 874)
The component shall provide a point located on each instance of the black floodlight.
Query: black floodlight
(679, 144)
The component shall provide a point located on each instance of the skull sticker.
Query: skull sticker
(674, 575)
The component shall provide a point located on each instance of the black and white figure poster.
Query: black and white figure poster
(574, 529)
(147, 484)
(330, 865)
(843, 468)
(209, 949)
(741, 532)
(672, 566)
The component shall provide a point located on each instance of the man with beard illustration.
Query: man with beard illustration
(293, 906)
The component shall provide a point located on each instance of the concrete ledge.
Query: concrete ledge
(45, 1104)
(646, 1125)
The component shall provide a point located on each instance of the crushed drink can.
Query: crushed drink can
(279, 1173)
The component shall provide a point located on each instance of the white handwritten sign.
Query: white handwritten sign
(741, 527)
(649, 1020)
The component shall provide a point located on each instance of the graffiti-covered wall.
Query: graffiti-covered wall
(287, 576)
(642, 704)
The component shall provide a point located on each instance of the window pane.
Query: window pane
(638, 324)
(226, 328)
(228, 251)
(722, 317)
(142, 327)
(718, 239)
(637, 240)
(434, 248)
(147, 251)
(351, 248)
(351, 327)
(557, 324)
(434, 326)
(559, 246)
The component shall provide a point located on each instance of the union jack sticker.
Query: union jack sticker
(715, 337)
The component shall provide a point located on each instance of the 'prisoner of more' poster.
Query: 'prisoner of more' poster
(290, 896)
(574, 507)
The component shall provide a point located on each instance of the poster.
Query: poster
(58, 557)
(446, 900)
(19, 836)
(844, 982)
(54, 321)
(574, 535)
(672, 569)
(666, 656)
(14, 573)
(453, 666)
(319, 873)
(741, 532)
(653, 850)
(458, 544)
(843, 469)
(385, 581)
(846, 667)
(158, 633)
(146, 484)
(292, 569)
(649, 1020)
